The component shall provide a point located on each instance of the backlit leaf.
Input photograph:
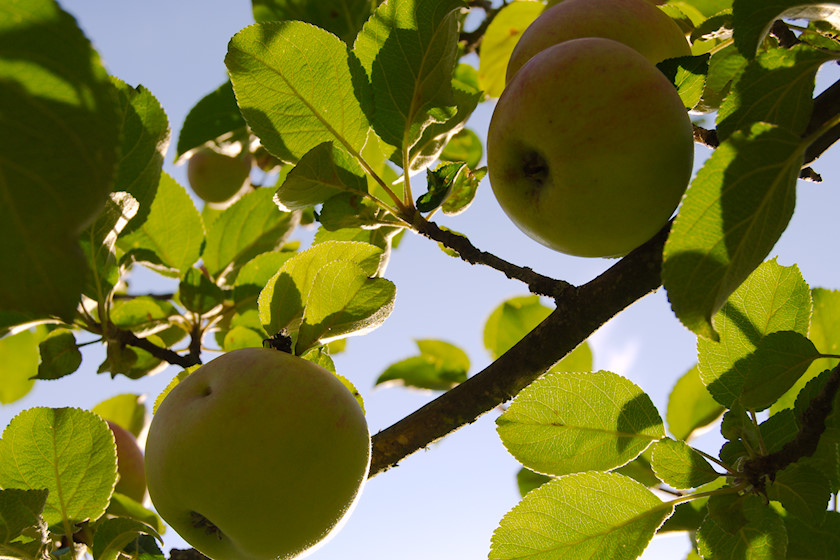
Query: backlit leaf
(341, 17)
(439, 367)
(690, 406)
(777, 363)
(215, 115)
(753, 18)
(679, 466)
(762, 535)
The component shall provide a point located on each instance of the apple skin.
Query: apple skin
(257, 455)
(639, 24)
(216, 177)
(130, 463)
(590, 148)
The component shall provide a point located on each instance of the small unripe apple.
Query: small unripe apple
(257, 455)
(590, 148)
(639, 24)
(216, 177)
(132, 481)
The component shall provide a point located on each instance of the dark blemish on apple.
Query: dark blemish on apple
(206, 391)
(200, 522)
(535, 167)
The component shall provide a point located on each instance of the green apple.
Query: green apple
(216, 177)
(132, 481)
(257, 455)
(638, 24)
(590, 148)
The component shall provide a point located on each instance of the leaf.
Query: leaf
(752, 19)
(145, 139)
(127, 410)
(171, 238)
(690, 406)
(809, 542)
(776, 87)
(773, 299)
(285, 296)
(774, 433)
(572, 422)
(409, 51)
(527, 480)
(341, 17)
(688, 74)
(440, 182)
(679, 466)
(60, 355)
(35, 452)
(321, 173)
(439, 367)
(58, 152)
(143, 315)
(583, 515)
(777, 363)
(198, 293)
(724, 66)
(343, 301)
(499, 41)
(463, 191)
(736, 209)
(464, 146)
(215, 115)
(761, 537)
(19, 365)
(297, 87)
(803, 491)
(23, 533)
(116, 533)
(123, 506)
(252, 225)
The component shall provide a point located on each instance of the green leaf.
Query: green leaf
(123, 506)
(252, 225)
(809, 542)
(678, 465)
(297, 86)
(752, 19)
(343, 301)
(463, 191)
(440, 181)
(464, 146)
(510, 321)
(60, 355)
(527, 480)
(439, 367)
(171, 238)
(777, 363)
(35, 452)
(736, 209)
(774, 433)
(688, 74)
(142, 315)
(825, 334)
(20, 516)
(803, 491)
(198, 293)
(409, 51)
(321, 173)
(583, 515)
(240, 336)
(19, 364)
(761, 537)
(215, 115)
(639, 469)
(724, 66)
(340, 17)
(774, 298)
(283, 300)
(499, 41)
(127, 410)
(58, 153)
(776, 87)
(690, 406)
(114, 534)
(571, 422)
(145, 139)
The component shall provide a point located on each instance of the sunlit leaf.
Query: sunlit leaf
(690, 406)
(439, 366)
(341, 17)
(679, 466)
(215, 115)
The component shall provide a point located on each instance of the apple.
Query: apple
(132, 481)
(257, 455)
(589, 148)
(639, 24)
(216, 177)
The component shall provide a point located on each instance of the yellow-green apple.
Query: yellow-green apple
(638, 24)
(216, 177)
(132, 481)
(589, 148)
(257, 455)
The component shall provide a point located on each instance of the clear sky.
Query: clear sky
(446, 501)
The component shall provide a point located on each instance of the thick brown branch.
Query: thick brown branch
(537, 283)
(130, 339)
(804, 444)
(580, 312)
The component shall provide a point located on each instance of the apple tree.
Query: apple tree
(354, 119)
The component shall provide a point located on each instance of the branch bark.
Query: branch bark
(580, 312)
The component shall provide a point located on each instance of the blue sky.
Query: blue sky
(443, 502)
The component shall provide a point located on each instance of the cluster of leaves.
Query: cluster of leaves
(346, 105)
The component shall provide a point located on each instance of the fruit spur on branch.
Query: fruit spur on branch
(590, 147)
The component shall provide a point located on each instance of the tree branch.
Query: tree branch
(130, 339)
(580, 312)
